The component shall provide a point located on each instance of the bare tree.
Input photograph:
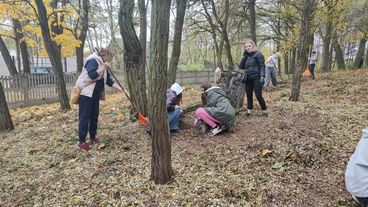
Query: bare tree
(53, 52)
(5, 119)
(133, 56)
(307, 16)
(23, 46)
(7, 58)
(161, 169)
(179, 21)
(252, 20)
(80, 31)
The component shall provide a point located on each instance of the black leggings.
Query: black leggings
(254, 85)
(311, 69)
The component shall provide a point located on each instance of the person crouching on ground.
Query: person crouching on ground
(92, 82)
(356, 175)
(173, 98)
(217, 112)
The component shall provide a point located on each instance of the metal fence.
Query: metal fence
(27, 89)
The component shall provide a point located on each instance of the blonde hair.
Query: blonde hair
(252, 43)
(105, 52)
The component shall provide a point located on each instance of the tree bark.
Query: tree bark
(143, 42)
(252, 20)
(358, 61)
(307, 17)
(7, 58)
(133, 56)
(23, 46)
(6, 122)
(84, 13)
(286, 62)
(326, 47)
(161, 169)
(53, 52)
(292, 61)
(339, 55)
(179, 21)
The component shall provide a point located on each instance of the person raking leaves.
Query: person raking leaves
(92, 82)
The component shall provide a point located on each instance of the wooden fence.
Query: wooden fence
(27, 90)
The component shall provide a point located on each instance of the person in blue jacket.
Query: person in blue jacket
(92, 82)
(254, 64)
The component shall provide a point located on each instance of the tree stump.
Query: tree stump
(230, 82)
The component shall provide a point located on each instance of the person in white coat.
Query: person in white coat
(356, 175)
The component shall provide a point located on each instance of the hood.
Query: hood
(218, 90)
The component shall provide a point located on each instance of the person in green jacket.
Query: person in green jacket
(217, 112)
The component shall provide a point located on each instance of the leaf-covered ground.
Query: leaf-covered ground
(295, 157)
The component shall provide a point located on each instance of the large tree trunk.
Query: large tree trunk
(179, 21)
(161, 170)
(308, 8)
(326, 48)
(23, 46)
(252, 20)
(133, 56)
(6, 122)
(339, 55)
(358, 61)
(53, 52)
(7, 58)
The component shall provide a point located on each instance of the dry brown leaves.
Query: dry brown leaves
(295, 157)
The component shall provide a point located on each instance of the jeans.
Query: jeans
(270, 76)
(311, 69)
(250, 86)
(362, 201)
(173, 118)
(88, 116)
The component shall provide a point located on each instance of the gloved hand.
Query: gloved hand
(261, 82)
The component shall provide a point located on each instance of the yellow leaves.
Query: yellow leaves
(32, 29)
(266, 152)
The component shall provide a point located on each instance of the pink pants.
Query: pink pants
(206, 117)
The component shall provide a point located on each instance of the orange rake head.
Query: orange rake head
(143, 120)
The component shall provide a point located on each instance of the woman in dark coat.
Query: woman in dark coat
(254, 64)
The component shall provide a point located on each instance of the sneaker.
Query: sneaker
(215, 131)
(94, 141)
(83, 146)
(247, 113)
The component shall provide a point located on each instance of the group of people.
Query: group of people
(217, 114)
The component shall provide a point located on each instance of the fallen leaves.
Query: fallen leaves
(295, 157)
